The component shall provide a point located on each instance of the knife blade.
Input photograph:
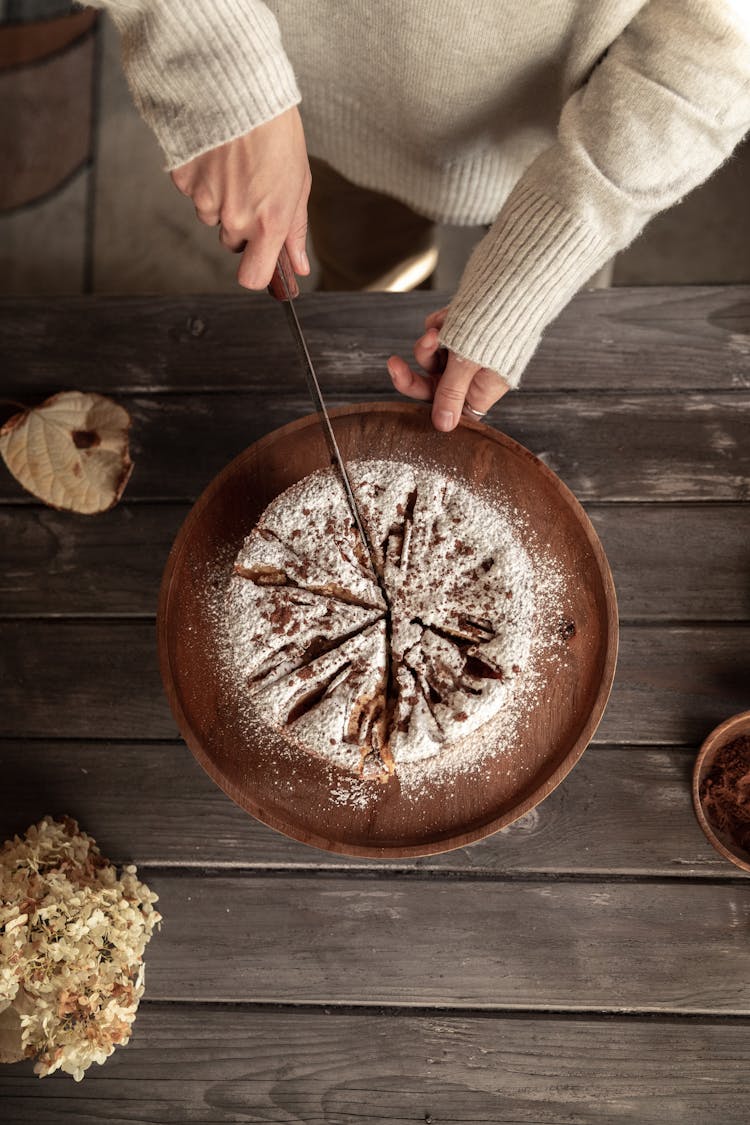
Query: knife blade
(284, 288)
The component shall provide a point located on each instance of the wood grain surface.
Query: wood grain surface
(227, 1064)
(520, 944)
(652, 338)
(605, 899)
(612, 447)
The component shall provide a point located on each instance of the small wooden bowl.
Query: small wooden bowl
(718, 738)
(294, 792)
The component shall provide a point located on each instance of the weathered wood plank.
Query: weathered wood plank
(669, 561)
(57, 563)
(571, 946)
(99, 679)
(685, 562)
(674, 684)
(217, 1065)
(623, 812)
(641, 338)
(605, 447)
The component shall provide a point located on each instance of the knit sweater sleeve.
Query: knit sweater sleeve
(662, 110)
(201, 73)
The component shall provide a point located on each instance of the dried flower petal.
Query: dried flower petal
(72, 937)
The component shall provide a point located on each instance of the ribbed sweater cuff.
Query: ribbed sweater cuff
(535, 257)
(204, 74)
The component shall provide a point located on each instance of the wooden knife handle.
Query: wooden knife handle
(283, 272)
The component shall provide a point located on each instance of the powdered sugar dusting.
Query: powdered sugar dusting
(421, 688)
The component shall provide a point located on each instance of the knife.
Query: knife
(284, 288)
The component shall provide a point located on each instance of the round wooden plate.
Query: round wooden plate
(296, 793)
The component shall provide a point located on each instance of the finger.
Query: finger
(428, 352)
(409, 382)
(210, 218)
(297, 238)
(487, 387)
(436, 319)
(232, 240)
(264, 242)
(451, 392)
(182, 178)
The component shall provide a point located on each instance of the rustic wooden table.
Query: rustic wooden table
(589, 964)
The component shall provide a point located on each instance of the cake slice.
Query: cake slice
(335, 706)
(266, 561)
(385, 494)
(322, 550)
(273, 630)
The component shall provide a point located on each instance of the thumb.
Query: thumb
(450, 393)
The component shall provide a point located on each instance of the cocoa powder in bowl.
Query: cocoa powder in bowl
(725, 792)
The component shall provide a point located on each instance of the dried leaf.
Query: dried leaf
(71, 452)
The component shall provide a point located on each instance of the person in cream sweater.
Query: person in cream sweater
(565, 124)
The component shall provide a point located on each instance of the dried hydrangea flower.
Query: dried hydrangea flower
(72, 936)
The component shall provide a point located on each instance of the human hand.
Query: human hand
(451, 383)
(257, 188)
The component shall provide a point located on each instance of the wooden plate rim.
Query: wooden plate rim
(448, 843)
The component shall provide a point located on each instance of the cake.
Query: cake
(374, 671)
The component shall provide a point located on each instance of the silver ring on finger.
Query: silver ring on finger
(478, 414)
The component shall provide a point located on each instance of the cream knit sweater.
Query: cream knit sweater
(567, 124)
